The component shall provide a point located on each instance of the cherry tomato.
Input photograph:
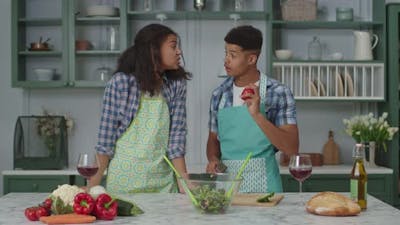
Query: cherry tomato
(245, 92)
(47, 203)
(30, 213)
(41, 211)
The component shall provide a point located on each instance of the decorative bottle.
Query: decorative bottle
(358, 178)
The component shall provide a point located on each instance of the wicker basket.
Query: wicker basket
(299, 10)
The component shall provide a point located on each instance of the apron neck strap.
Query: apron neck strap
(262, 89)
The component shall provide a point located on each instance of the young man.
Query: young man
(263, 122)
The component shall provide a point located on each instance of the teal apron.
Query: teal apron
(138, 164)
(238, 135)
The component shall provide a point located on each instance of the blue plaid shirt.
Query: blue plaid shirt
(280, 106)
(120, 104)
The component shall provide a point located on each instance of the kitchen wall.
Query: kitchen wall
(10, 99)
(203, 47)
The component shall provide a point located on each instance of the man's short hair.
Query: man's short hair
(247, 37)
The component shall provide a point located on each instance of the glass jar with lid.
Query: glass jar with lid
(315, 49)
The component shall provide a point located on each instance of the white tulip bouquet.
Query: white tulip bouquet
(367, 128)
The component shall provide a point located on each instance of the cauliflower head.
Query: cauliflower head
(67, 193)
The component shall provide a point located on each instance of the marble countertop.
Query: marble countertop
(336, 169)
(176, 209)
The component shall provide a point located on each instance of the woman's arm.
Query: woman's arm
(103, 164)
(178, 130)
(107, 130)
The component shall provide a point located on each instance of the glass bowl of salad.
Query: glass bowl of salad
(211, 193)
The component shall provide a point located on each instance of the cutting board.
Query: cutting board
(331, 151)
(251, 200)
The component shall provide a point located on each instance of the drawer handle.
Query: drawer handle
(35, 187)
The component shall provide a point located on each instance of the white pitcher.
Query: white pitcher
(362, 45)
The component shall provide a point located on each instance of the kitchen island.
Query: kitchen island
(176, 209)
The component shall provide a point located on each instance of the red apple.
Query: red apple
(245, 93)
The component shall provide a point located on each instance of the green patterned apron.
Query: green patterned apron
(238, 135)
(138, 164)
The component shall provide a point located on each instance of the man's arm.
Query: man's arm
(213, 152)
(285, 137)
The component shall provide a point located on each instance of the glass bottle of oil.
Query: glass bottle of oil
(358, 179)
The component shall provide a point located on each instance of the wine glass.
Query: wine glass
(300, 168)
(87, 166)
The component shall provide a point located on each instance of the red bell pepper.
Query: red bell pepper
(83, 203)
(106, 207)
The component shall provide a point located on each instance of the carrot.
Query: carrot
(67, 219)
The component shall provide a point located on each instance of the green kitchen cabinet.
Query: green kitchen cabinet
(33, 183)
(391, 158)
(61, 23)
(93, 65)
(379, 185)
(322, 77)
(33, 26)
(41, 183)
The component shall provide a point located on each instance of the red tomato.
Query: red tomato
(245, 92)
(30, 213)
(41, 211)
(47, 203)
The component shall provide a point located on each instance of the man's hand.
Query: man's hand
(212, 166)
(253, 100)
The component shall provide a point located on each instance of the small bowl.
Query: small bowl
(44, 74)
(337, 56)
(210, 191)
(82, 45)
(102, 10)
(283, 54)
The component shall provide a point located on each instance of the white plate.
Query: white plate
(350, 85)
(339, 84)
(322, 90)
(313, 89)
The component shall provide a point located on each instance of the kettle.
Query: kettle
(362, 45)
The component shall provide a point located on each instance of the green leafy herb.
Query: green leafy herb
(266, 198)
(210, 200)
(59, 207)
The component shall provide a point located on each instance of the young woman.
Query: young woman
(144, 116)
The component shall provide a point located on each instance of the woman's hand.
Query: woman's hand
(180, 186)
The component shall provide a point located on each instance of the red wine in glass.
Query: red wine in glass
(87, 166)
(300, 174)
(300, 168)
(87, 171)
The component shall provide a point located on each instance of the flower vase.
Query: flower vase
(370, 148)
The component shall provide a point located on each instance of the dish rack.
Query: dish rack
(348, 81)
